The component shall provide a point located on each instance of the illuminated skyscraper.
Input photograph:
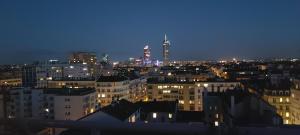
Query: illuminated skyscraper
(147, 53)
(166, 46)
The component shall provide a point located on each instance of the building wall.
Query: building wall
(87, 58)
(189, 95)
(160, 117)
(11, 82)
(106, 91)
(76, 71)
(280, 100)
(71, 84)
(295, 106)
(2, 113)
(137, 90)
(29, 76)
(25, 103)
(73, 107)
(46, 72)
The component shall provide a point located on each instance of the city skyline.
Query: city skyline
(39, 30)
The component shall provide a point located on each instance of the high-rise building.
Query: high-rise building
(29, 76)
(166, 53)
(104, 58)
(147, 54)
(88, 58)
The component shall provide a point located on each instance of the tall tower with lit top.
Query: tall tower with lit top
(166, 53)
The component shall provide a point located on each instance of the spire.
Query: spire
(165, 37)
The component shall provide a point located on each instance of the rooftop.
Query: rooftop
(73, 79)
(121, 109)
(175, 81)
(158, 106)
(112, 79)
(189, 116)
(69, 91)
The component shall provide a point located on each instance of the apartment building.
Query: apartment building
(112, 87)
(188, 94)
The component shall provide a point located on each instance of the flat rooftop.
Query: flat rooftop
(69, 91)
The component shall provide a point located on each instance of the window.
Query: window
(170, 116)
(181, 102)
(154, 115)
(287, 114)
(217, 116)
(132, 118)
(191, 102)
(216, 123)
(166, 91)
(287, 100)
(280, 100)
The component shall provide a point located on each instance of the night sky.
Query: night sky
(198, 30)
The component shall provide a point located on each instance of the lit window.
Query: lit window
(103, 95)
(287, 100)
(166, 91)
(293, 95)
(169, 74)
(216, 123)
(280, 99)
(217, 116)
(286, 121)
(181, 102)
(205, 85)
(47, 110)
(132, 118)
(92, 110)
(84, 69)
(71, 66)
(287, 114)
(170, 116)
(154, 115)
